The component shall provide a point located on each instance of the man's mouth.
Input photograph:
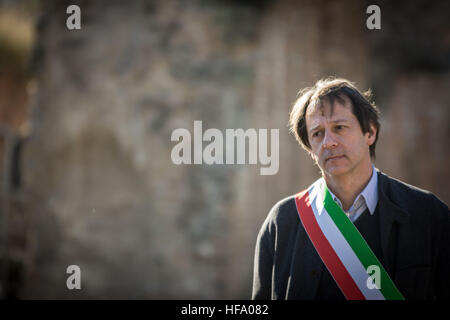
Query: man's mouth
(333, 157)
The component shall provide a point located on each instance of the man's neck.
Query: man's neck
(348, 186)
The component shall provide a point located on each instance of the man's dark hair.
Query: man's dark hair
(330, 90)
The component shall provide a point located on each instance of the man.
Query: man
(356, 233)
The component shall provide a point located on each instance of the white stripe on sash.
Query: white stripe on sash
(342, 248)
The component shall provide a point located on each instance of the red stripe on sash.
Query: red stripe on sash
(329, 257)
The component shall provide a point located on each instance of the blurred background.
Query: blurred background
(86, 118)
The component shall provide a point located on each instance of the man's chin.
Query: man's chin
(335, 171)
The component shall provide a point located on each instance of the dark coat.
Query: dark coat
(414, 237)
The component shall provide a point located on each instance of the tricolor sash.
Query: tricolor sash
(341, 247)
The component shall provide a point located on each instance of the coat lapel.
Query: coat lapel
(391, 219)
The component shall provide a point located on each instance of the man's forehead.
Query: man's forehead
(326, 107)
(329, 111)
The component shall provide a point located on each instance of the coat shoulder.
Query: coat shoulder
(411, 198)
(283, 212)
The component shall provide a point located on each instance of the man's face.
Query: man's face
(338, 144)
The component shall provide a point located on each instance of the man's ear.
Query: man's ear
(372, 134)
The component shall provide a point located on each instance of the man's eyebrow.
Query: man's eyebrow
(339, 120)
(333, 121)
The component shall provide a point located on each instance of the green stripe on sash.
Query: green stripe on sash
(359, 246)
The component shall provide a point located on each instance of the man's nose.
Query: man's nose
(329, 140)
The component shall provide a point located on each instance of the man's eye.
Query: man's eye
(316, 134)
(339, 127)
